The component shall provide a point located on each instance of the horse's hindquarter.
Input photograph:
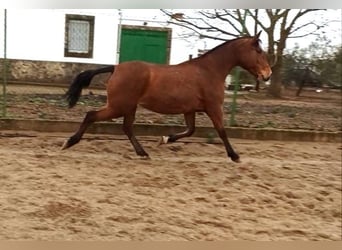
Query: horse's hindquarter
(173, 89)
(127, 84)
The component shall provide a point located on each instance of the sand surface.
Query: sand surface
(99, 190)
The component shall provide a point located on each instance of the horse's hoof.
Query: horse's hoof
(163, 140)
(235, 158)
(145, 157)
(65, 145)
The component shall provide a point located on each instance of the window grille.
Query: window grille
(79, 36)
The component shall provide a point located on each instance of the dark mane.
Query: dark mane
(224, 44)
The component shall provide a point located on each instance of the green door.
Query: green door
(144, 44)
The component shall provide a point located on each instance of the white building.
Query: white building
(34, 34)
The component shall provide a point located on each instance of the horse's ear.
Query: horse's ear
(256, 41)
(257, 35)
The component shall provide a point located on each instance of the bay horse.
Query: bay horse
(196, 85)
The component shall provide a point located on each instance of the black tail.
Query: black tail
(81, 81)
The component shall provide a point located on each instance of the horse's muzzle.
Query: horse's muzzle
(263, 78)
(266, 78)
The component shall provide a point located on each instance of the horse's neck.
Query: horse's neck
(220, 60)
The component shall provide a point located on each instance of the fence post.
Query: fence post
(4, 69)
(119, 37)
(233, 106)
(237, 80)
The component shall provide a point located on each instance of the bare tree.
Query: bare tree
(225, 24)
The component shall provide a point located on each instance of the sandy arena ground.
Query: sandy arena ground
(99, 190)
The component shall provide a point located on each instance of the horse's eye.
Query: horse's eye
(259, 50)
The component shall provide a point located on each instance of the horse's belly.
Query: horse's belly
(170, 105)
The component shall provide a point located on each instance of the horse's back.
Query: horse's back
(140, 74)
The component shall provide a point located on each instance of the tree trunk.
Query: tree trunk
(303, 80)
(275, 88)
(300, 88)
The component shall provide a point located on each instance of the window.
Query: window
(79, 36)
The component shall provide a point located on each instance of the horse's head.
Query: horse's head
(252, 58)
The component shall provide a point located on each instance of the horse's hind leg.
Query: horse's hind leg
(128, 130)
(190, 124)
(91, 117)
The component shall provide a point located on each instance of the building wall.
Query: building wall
(38, 34)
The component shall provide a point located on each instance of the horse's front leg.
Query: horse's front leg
(128, 130)
(190, 129)
(216, 116)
